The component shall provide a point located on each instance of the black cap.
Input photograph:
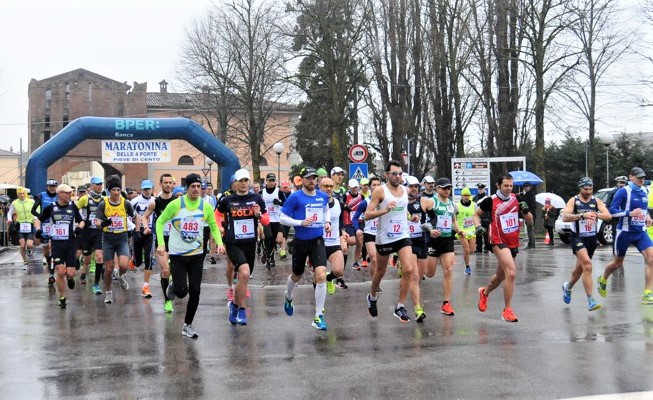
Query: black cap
(480, 185)
(129, 190)
(637, 172)
(270, 176)
(193, 178)
(443, 182)
(621, 178)
(307, 172)
(82, 188)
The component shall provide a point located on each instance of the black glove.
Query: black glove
(523, 206)
(277, 202)
(78, 231)
(105, 223)
(480, 230)
(38, 234)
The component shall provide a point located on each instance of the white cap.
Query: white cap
(428, 179)
(241, 174)
(411, 180)
(353, 183)
(336, 170)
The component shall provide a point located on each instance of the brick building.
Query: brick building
(55, 101)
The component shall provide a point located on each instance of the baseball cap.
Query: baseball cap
(147, 184)
(364, 181)
(428, 179)
(241, 174)
(271, 176)
(82, 188)
(308, 172)
(321, 172)
(204, 185)
(637, 172)
(443, 182)
(480, 185)
(64, 188)
(193, 178)
(52, 182)
(337, 170)
(129, 190)
(465, 192)
(411, 180)
(96, 180)
(353, 183)
(621, 178)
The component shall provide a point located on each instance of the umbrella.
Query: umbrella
(522, 177)
(556, 201)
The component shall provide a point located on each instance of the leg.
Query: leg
(447, 260)
(240, 297)
(406, 259)
(194, 271)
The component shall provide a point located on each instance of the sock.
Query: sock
(290, 287)
(99, 270)
(164, 285)
(330, 276)
(145, 284)
(320, 298)
(444, 302)
(48, 259)
(399, 305)
(373, 298)
(589, 297)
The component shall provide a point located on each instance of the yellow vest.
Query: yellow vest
(117, 214)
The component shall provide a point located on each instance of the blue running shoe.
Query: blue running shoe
(468, 270)
(592, 304)
(287, 305)
(401, 313)
(233, 311)
(241, 317)
(319, 323)
(566, 293)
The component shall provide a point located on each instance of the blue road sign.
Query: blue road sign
(357, 170)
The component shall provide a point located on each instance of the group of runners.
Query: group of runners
(403, 222)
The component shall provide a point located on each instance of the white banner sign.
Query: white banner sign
(136, 151)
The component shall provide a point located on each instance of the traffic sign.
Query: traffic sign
(358, 153)
(357, 171)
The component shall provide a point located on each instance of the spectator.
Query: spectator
(549, 216)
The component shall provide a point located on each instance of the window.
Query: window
(46, 136)
(262, 161)
(185, 160)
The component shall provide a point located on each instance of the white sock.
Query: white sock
(320, 298)
(289, 288)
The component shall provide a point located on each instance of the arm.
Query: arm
(35, 207)
(135, 216)
(568, 212)
(376, 198)
(146, 215)
(78, 216)
(10, 212)
(616, 205)
(167, 214)
(213, 226)
(603, 213)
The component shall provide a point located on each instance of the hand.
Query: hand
(307, 222)
(590, 215)
(480, 230)
(391, 205)
(220, 249)
(415, 218)
(523, 206)
(256, 209)
(277, 202)
(327, 227)
(147, 230)
(105, 223)
(427, 227)
(78, 231)
(38, 234)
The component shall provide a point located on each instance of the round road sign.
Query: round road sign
(358, 153)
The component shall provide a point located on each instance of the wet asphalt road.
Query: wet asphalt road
(132, 349)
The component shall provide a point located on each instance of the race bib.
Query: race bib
(45, 228)
(166, 228)
(587, 228)
(509, 222)
(640, 220)
(315, 214)
(25, 227)
(190, 228)
(415, 229)
(273, 210)
(60, 231)
(468, 222)
(93, 219)
(394, 226)
(444, 224)
(117, 224)
(244, 229)
(370, 226)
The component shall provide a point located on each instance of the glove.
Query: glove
(523, 206)
(105, 223)
(78, 231)
(480, 230)
(427, 227)
(277, 202)
(38, 234)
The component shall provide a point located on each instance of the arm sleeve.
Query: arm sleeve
(359, 211)
(288, 221)
(485, 204)
(100, 211)
(166, 216)
(616, 205)
(10, 212)
(35, 207)
(45, 215)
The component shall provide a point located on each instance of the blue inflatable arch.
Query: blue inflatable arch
(127, 128)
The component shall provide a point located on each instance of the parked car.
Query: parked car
(604, 230)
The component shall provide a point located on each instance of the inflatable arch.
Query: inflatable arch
(127, 128)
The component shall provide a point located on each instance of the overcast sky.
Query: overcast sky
(140, 40)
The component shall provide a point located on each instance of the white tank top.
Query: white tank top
(332, 238)
(393, 226)
(271, 208)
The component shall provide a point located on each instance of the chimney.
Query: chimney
(163, 86)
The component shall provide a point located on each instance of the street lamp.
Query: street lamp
(209, 162)
(607, 139)
(278, 148)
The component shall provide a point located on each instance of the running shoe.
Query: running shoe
(271, 262)
(212, 260)
(419, 314)
(170, 293)
(371, 306)
(341, 283)
(71, 283)
(356, 266)
(241, 316)
(647, 298)
(566, 293)
(124, 285)
(51, 280)
(115, 275)
(592, 304)
(482, 300)
(282, 254)
(319, 323)
(331, 286)
(230, 294)
(264, 257)
(108, 299)
(508, 315)
(132, 266)
(25, 263)
(146, 293)
(62, 302)
(468, 270)
(603, 286)
(364, 263)
(96, 289)
(401, 314)
(168, 307)
(82, 279)
(233, 313)
(30, 252)
(287, 305)
(447, 309)
(189, 331)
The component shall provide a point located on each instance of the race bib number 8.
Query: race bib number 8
(244, 229)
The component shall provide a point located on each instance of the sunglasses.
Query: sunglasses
(445, 187)
(395, 173)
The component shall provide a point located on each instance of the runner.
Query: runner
(629, 204)
(504, 211)
(188, 215)
(308, 211)
(583, 210)
(91, 239)
(482, 241)
(465, 210)
(368, 229)
(22, 208)
(389, 203)
(66, 224)
(429, 187)
(335, 239)
(417, 211)
(243, 212)
(143, 239)
(208, 245)
(274, 199)
(351, 201)
(41, 201)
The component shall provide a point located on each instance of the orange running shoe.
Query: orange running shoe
(508, 315)
(132, 266)
(482, 299)
(146, 292)
(447, 309)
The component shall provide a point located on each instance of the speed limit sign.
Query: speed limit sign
(358, 153)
